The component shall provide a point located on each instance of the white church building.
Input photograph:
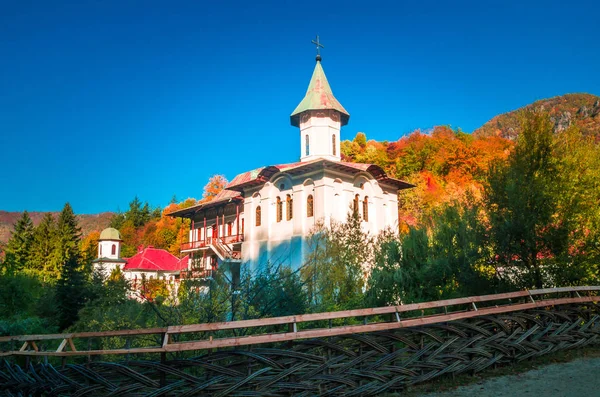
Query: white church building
(267, 213)
(148, 263)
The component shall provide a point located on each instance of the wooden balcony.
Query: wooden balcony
(195, 245)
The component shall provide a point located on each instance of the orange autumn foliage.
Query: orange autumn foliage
(162, 232)
(444, 165)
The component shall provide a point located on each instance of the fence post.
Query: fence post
(163, 360)
(89, 347)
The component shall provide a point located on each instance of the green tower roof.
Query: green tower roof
(110, 234)
(319, 97)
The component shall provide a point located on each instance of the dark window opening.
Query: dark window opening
(290, 210)
(333, 143)
(279, 209)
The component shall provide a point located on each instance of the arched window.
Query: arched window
(258, 220)
(309, 206)
(242, 226)
(113, 250)
(366, 209)
(355, 205)
(290, 210)
(333, 144)
(307, 144)
(100, 255)
(279, 209)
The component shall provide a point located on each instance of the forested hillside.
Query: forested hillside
(445, 165)
(87, 222)
(579, 110)
(491, 212)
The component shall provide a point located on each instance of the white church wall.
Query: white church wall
(333, 195)
(105, 249)
(106, 268)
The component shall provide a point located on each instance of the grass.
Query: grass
(446, 383)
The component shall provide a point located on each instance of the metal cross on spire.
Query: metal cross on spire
(319, 46)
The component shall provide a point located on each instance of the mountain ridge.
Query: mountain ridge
(580, 109)
(87, 222)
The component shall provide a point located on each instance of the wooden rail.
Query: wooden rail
(398, 316)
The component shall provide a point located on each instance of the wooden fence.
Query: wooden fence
(197, 337)
(362, 352)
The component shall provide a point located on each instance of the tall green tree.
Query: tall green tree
(443, 259)
(339, 261)
(578, 200)
(71, 292)
(42, 247)
(68, 236)
(19, 246)
(527, 227)
(71, 288)
(138, 214)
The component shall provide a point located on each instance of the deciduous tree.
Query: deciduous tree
(215, 184)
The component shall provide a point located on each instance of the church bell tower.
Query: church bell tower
(320, 117)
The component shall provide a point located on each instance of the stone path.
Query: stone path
(576, 378)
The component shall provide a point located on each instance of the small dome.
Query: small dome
(110, 234)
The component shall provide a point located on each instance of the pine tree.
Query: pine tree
(139, 214)
(42, 247)
(68, 235)
(18, 247)
(71, 288)
(71, 292)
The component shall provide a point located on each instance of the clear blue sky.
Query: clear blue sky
(104, 100)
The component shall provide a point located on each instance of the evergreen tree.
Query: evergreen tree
(71, 288)
(138, 214)
(68, 235)
(18, 247)
(71, 292)
(446, 258)
(42, 247)
(527, 228)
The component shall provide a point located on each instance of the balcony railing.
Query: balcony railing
(195, 274)
(193, 245)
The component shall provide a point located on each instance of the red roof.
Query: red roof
(156, 260)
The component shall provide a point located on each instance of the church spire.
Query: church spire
(319, 95)
(320, 117)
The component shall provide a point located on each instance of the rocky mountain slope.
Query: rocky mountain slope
(582, 110)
